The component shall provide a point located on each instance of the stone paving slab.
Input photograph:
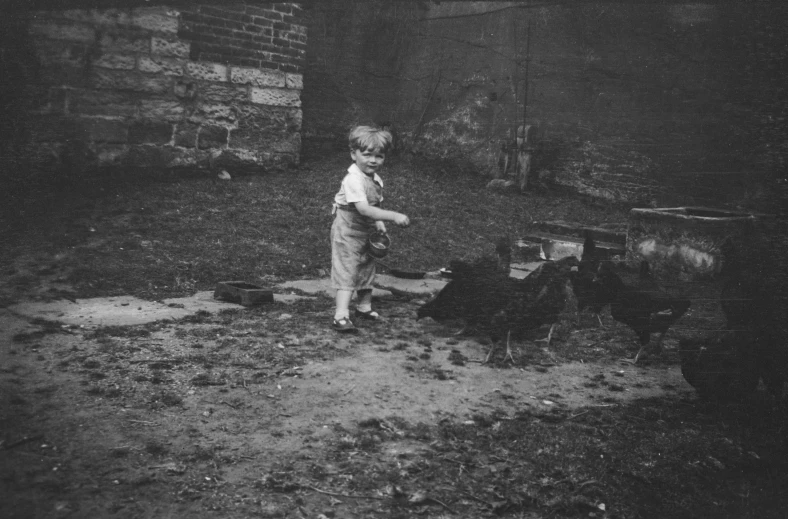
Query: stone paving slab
(119, 311)
(130, 311)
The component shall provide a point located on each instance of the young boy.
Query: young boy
(357, 214)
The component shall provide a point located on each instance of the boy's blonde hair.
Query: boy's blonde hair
(369, 137)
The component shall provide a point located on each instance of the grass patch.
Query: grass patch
(165, 239)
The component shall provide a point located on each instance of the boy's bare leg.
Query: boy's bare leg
(364, 303)
(343, 304)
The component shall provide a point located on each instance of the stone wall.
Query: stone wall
(639, 103)
(202, 86)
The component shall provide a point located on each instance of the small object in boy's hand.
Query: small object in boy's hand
(378, 244)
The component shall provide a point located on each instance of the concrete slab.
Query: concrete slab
(127, 310)
(409, 287)
(119, 311)
(384, 285)
(130, 311)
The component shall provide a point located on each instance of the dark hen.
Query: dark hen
(542, 296)
(482, 277)
(718, 365)
(589, 293)
(735, 298)
(754, 303)
(645, 310)
(493, 303)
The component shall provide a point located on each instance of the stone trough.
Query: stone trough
(683, 243)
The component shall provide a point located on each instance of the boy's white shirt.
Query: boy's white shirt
(352, 188)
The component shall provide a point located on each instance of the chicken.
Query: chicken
(755, 310)
(589, 293)
(735, 302)
(644, 309)
(490, 301)
(543, 296)
(718, 365)
(484, 274)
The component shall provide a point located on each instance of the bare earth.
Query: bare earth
(223, 411)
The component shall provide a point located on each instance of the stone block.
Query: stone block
(294, 81)
(237, 160)
(150, 132)
(112, 17)
(275, 97)
(266, 142)
(67, 31)
(165, 47)
(242, 293)
(99, 129)
(257, 77)
(207, 71)
(186, 135)
(151, 157)
(147, 156)
(186, 158)
(185, 90)
(125, 41)
(214, 113)
(287, 144)
(51, 52)
(63, 75)
(104, 79)
(161, 110)
(116, 61)
(54, 128)
(159, 65)
(110, 154)
(156, 22)
(257, 123)
(212, 137)
(94, 102)
(224, 93)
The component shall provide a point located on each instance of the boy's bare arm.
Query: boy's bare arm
(376, 213)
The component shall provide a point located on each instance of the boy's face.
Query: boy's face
(370, 160)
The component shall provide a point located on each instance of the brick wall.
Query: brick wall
(200, 87)
(272, 36)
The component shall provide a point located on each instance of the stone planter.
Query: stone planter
(242, 293)
(683, 243)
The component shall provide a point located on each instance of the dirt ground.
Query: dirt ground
(266, 412)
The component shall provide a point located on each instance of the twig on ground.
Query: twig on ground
(23, 440)
(576, 415)
(476, 498)
(143, 422)
(338, 494)
(444, 505)
(349, 390)
(456, 461)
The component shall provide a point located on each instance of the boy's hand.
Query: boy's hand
(402, 220)
(380, 226)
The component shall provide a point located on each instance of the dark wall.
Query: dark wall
(643, 102)
(149, 89)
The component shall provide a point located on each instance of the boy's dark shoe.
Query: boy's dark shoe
(368, 316)
(344, 325)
